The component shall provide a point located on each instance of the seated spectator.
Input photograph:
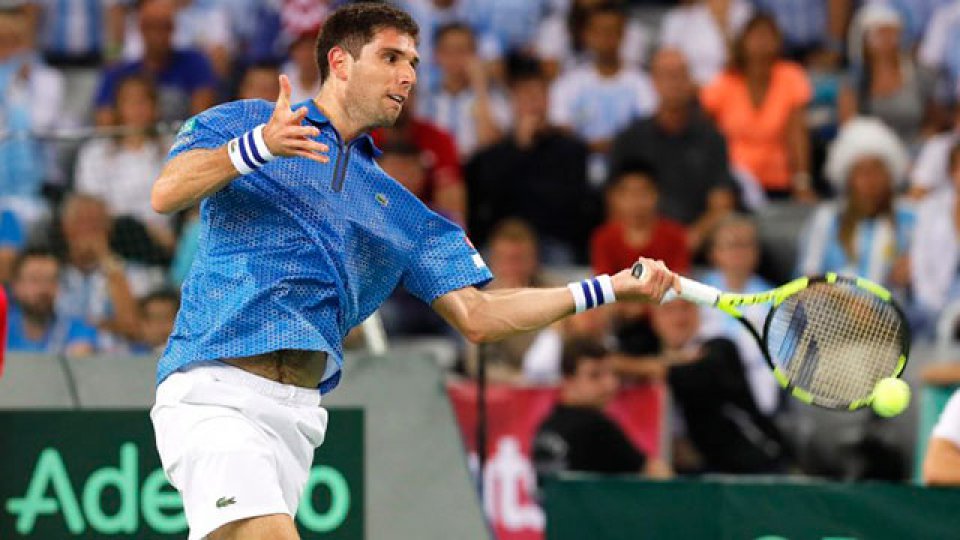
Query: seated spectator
(81, 33)
(512, 257)
(158, 310)
(814, 31)
(934, 252)
(405, 163)
(444, 187)
(758, 104)
(703, 30)
(302, 68)
(727, 431)
(11, 241)
(684, 148)
(941, 465)
(930, 170)
(866, 232)
(560, 39)
(121, 170)
(186, 81)
(577, 435)
(734, 253)
(34, 324)
(938, 51)
(536, 173)
(635, 229)
(94, 284)
(884, 81)
(596, 101)
(31, 96)
(199, 25)
(465, 103)
(260, 80)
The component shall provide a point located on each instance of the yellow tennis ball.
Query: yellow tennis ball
(890, 397)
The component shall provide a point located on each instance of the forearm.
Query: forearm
(499, 314)
(126, 318)
(190, 177)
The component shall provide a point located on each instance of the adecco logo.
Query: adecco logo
(157, 502)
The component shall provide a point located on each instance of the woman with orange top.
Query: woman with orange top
(758, 104)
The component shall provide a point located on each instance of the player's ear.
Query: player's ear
(339, 60)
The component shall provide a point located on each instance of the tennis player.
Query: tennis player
(302, 237)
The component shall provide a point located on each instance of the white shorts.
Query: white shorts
(236, 445)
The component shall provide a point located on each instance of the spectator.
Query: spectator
(94, 285)
(884, 81)
(260, 80)
(940, 51)
(702, 30)
(34, 324)
(536, 173)
(405, 163)
(865, 232)
(512, 256)
(687, 153)
(758, 104)
(634, 228)
(916, 16)
(941, 465)
(120, 170)
(81, 33)
(11, 241)
(31, 96)
(734, 253)
(157, 312)
(512, 23)
(577, 435)
(185, 78)
(560, 39)
(444, 187)
(302, 68)
(931, 171)
(197, 25)
(465, 103)
(814, 30)
(934, 253)
(721, 420)
(596, 101)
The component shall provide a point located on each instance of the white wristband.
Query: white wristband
(592, 292)
(249, 151)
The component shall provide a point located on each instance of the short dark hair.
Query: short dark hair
(32, 252)
(577, 351)
(456, 26)
(162, 295)
(523, 68)
(634, 167)
(354, 25)
(610, 7)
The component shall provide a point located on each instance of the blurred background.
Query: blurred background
(742, 142)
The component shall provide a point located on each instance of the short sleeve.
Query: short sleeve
(948, 426)
(202, 131)
(798, 84)
(445, 260)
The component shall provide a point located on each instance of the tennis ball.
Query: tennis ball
(890, 397)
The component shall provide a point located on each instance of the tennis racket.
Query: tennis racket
(828, 339)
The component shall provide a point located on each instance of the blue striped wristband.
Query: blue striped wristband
(249, 151)
(592, 292)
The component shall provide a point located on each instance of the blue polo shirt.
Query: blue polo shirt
(64, 332)
(295, 254)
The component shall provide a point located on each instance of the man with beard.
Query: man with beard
(34, 325)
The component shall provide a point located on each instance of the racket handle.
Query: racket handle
(691, 290)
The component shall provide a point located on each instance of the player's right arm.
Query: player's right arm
(196, 174)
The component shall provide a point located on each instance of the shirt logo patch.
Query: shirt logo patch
(382, 199)
(478, 261)
(188, 126)
(224, 502)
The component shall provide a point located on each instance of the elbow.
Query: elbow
(160, 198)
(475, 333)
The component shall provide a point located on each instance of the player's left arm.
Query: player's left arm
(494, 315)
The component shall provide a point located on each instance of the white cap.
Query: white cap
(864, 137)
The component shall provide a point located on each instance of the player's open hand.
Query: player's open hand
(284, 134)
(655, 281)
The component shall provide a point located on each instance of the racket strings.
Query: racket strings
(835, 341)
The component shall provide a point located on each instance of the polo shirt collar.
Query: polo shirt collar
(316, 117)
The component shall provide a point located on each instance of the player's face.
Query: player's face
(382, 77)
(35, 287)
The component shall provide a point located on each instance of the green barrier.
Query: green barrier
(606, 509)
(97, 475)
(932, 401)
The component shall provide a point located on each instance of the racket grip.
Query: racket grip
(691, 290)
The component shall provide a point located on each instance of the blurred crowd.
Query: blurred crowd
(566, 136)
